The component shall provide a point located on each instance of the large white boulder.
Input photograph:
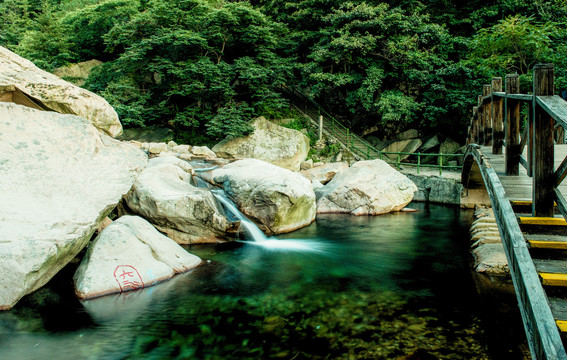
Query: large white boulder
(163, 195)
(278, 199)
(127, 255)
(269, 142)
(366, 188)
(60, 177)
(56, 94)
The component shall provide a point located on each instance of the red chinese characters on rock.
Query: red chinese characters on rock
(128, 278)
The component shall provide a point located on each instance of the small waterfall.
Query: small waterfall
(250, 228)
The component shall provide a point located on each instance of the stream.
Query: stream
(394, 286)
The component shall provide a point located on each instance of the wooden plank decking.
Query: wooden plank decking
(520, 187)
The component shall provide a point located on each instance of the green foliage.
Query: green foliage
(198, 64)
(46, 41)
(88, 25)
(207, 67)
(515, 44)
(396, 107)
(15, 21)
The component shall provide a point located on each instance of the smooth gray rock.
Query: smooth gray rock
(278, 199)
(408, 134)
(437, 189)
(405, 146)
(449, 146)
(57, 94)
(366, 188)
(325, 172)
(77, 73)
(203, 151)
(60, 177)
(272, 143)
(127, 255)
(163, 195)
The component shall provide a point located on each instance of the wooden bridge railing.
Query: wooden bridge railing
(541, 331)
(498, 113)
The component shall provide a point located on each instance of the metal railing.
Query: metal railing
(359, 147)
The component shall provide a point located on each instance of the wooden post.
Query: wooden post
(543, 156)
(497, 126)
(530, 139)
(560, 135)
(487, 116)
(474, 128)
(320, 127)
(480, 116)
(512, 126)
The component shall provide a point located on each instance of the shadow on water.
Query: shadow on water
(395, 286)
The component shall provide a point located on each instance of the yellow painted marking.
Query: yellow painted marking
(562, 324)
(524, 203)
(553, 279)
(529, 220)
(557, 245)
(521, 202)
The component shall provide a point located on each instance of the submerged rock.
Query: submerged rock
(272, 143)
(129, 254)
(49, 92)
(60, 177)
(278, 199)
(163, 195)
(366, 188)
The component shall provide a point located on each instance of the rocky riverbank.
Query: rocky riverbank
(64, 174)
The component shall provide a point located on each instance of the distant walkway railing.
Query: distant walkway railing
(359, 147)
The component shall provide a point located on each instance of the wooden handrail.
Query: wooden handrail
(539, 324)
(556, 107)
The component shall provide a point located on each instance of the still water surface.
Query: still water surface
(394, 286)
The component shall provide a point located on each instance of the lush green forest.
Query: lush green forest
(206, 68)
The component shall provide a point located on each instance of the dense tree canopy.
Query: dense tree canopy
(207, 67)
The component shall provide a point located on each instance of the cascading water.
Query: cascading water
(258, 237)
(251, 229)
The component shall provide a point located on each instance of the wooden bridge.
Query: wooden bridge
(529, 201)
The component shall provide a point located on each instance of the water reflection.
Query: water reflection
(343, 287)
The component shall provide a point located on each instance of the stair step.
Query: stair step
(552, 272)
(552, 242)
(542, 221)
(553, 279)
(559, 310)
(523, 203)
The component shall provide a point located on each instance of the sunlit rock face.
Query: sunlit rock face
(44, 90)
(164, 196)
(127, 255)
(277, 199)
(366, 188)
(269, 142)
(60, 177)
(325, 172)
